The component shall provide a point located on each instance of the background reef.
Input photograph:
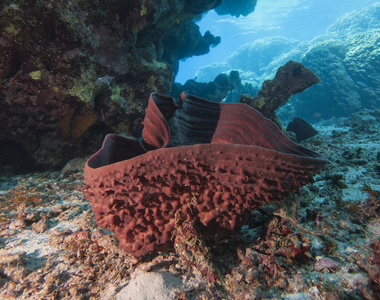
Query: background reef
(345, 58)
(72, 69)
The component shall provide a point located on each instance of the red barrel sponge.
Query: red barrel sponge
(202, 162)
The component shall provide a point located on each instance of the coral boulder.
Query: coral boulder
(199, 162)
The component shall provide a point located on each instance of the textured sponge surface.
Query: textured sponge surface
(143, 196)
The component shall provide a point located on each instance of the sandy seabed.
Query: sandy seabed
(321, 244)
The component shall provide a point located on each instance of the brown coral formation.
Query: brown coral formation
(292, 78)
(208, 171)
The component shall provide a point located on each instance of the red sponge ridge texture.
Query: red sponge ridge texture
(144, 190)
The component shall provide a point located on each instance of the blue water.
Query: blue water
(296, 19)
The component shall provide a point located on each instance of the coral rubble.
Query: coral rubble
(322, 243)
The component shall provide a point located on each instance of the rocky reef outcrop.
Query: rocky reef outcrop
(236, 7)
(215, 90)
(291, 78)
(345, 59)
(70, 70)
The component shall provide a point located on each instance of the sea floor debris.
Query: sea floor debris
(322, 243)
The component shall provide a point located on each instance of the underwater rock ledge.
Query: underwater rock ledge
(72, 71)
